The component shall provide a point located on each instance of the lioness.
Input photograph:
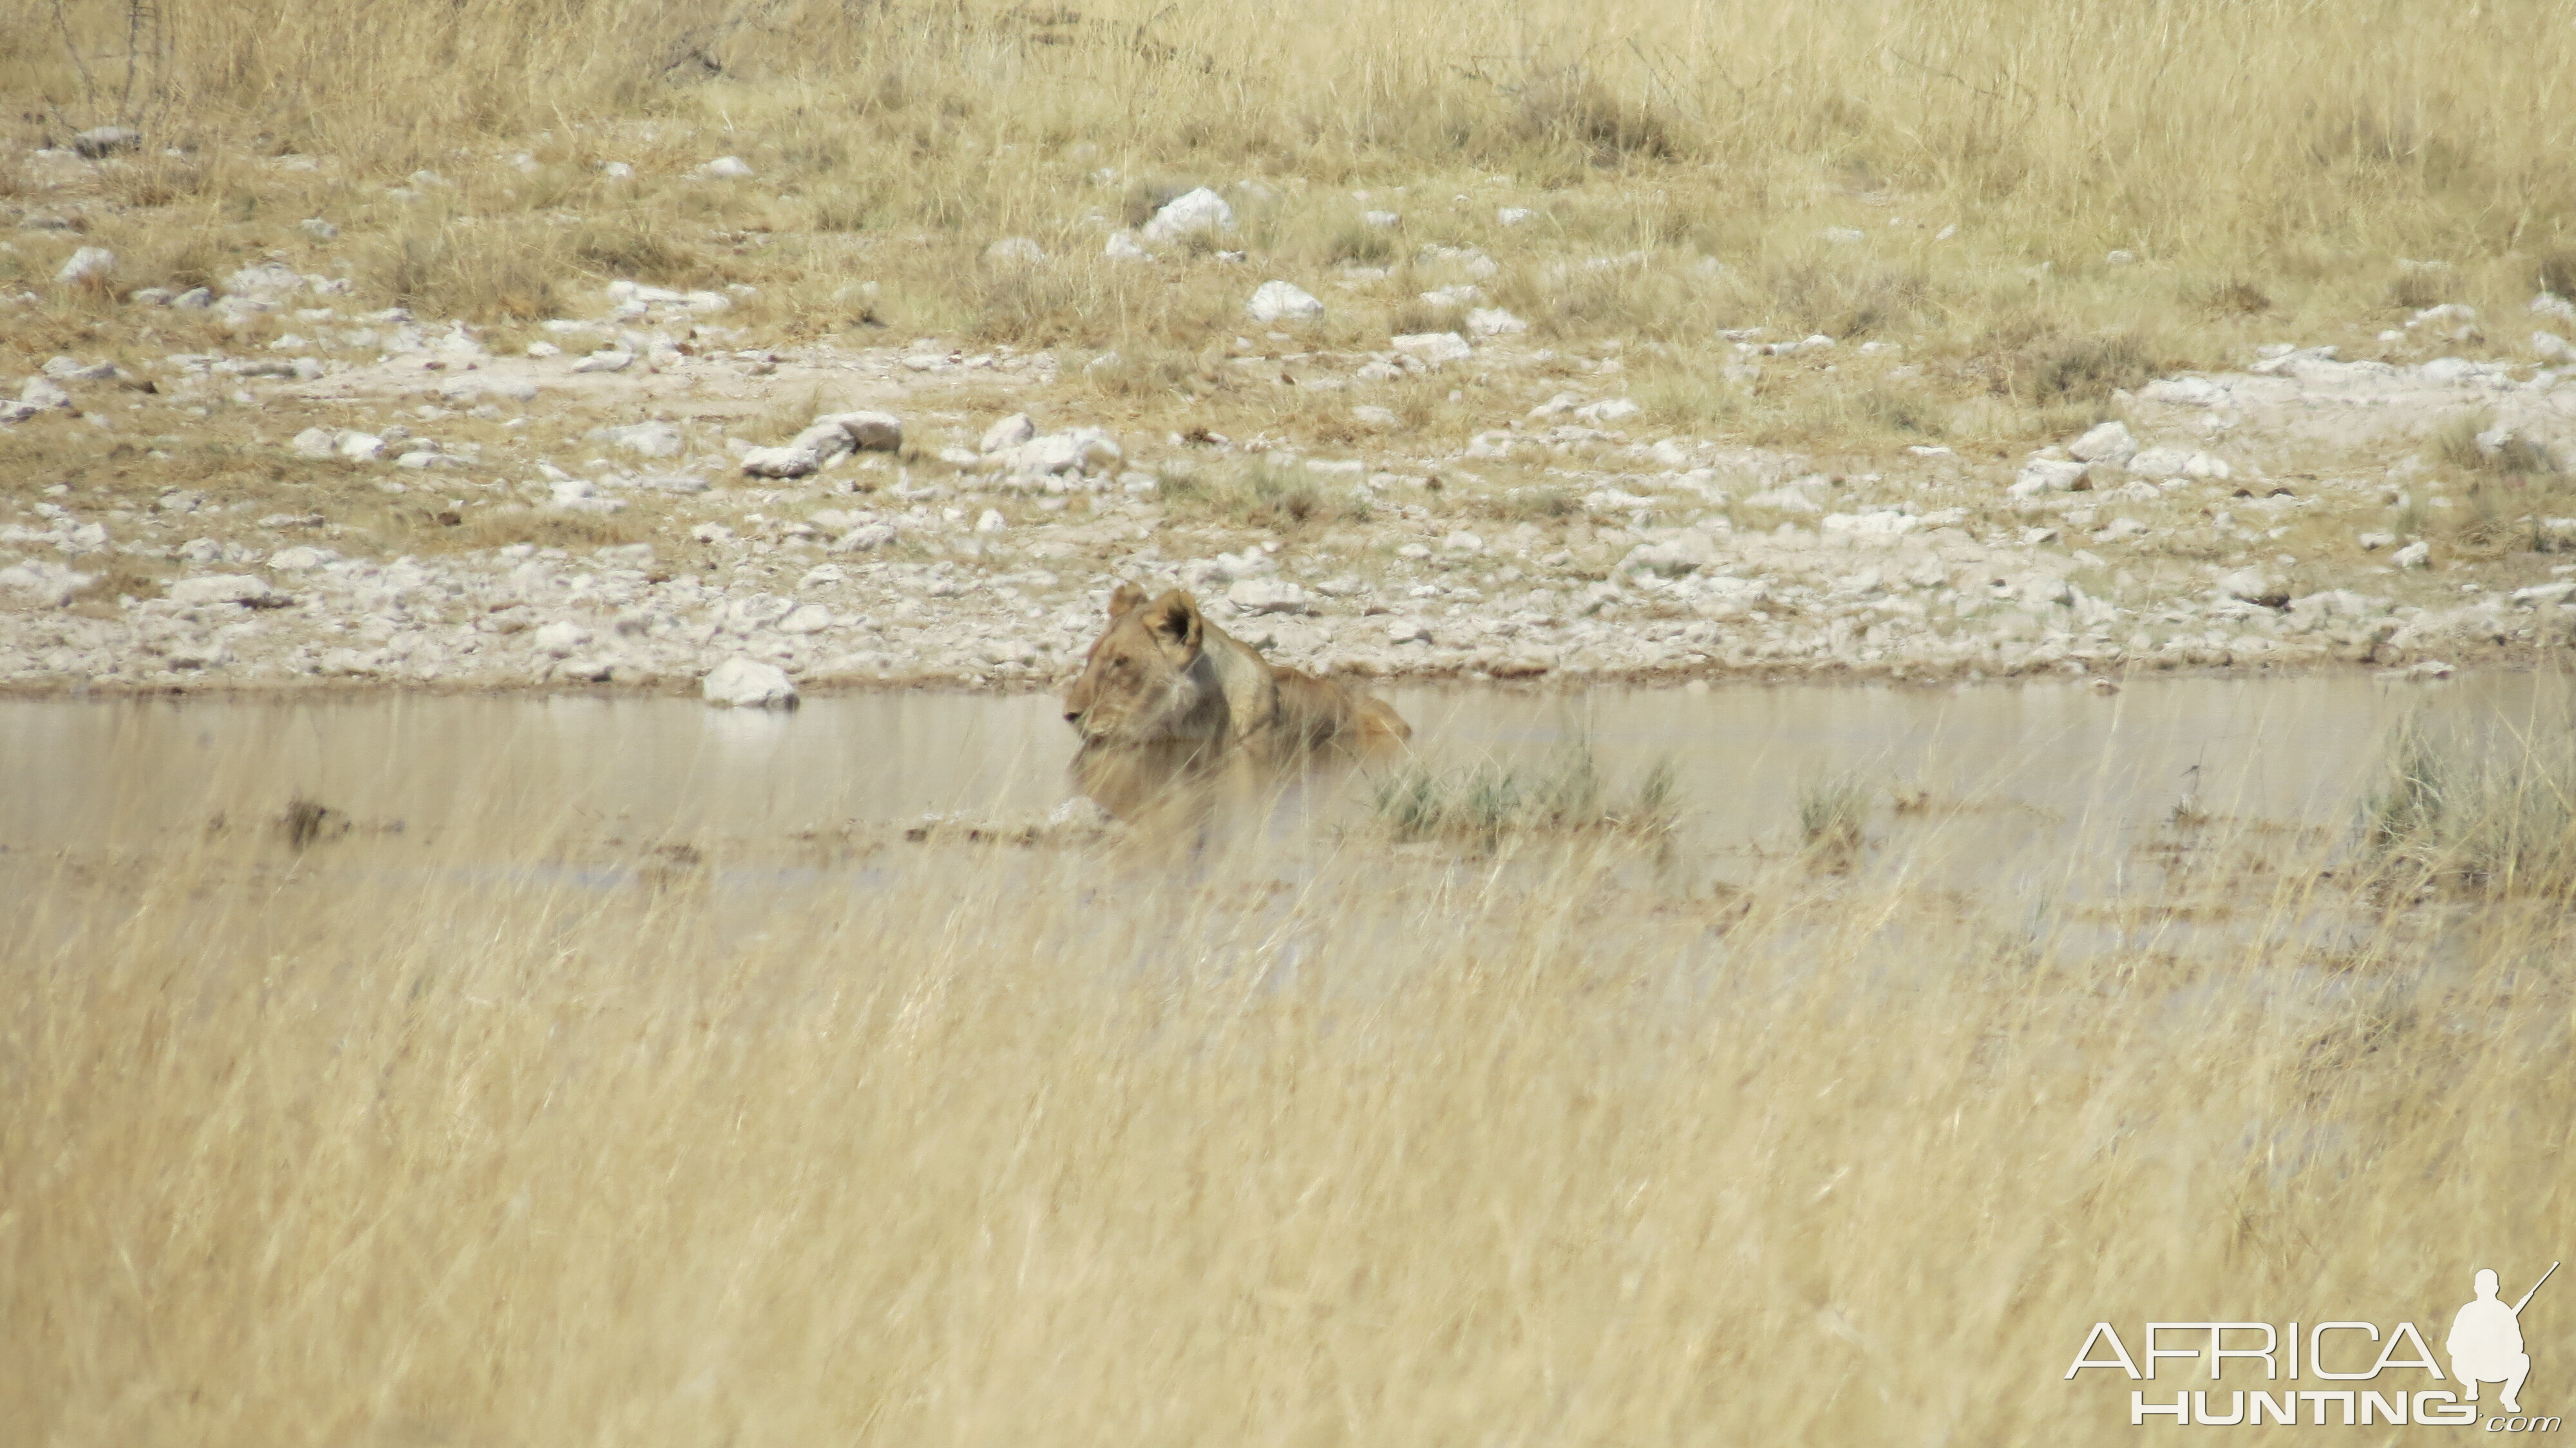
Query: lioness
(1164, 684)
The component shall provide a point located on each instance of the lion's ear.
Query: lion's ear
(1124, 598)
(1177, 626)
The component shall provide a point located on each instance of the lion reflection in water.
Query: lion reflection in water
(1166, 697)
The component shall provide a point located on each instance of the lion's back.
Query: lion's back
(1317, 712)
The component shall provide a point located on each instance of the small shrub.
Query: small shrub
(2557, 273)
(2418, 287)
(1833, 816)
(2470, 443)
(1531, 504)
(478, 273)
(1260, 494)
(637, 250)
(2036, 365)
(2235, 297)
(1570, 108)
(577, 532)
(1486, 803)
(1357, 241)
(2488, 818)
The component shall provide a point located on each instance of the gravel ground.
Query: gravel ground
(585, 518)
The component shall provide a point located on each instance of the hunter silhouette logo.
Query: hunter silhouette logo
(2486, 1341)
(2398, 1381)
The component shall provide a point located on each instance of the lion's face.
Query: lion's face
(1143, 683)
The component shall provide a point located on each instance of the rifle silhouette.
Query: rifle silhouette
(2526, 1297)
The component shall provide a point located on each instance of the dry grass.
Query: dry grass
(1259, 493)
(1943, 173)
(365, 1142)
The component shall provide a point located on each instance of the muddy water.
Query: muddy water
(2038, 774)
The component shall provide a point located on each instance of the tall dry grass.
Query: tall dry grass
(340, 1147)
(2187, 118)
(2276, 171)
(2288, 142)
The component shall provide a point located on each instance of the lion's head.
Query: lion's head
(1144, 682)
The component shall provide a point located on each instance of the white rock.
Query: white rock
(1198, 212)
(320, 230)
(1879, 523)
(2248, 584)
(87, 263)
(571, 492)
(1015, 251)
(2160, 462)
(1277, 301)
(1464, 294)
(2447, 314)
(315, 442)
(1784, 500)
(1267, 595)
(1494, 322)
(805, 618)
(652, 439)
(749, 684)
(2550, 304)
(1434, 348)
(2045, 475)
(1375, 417)
(825, 440)
(726, 168)
(1062, 452)
(2550, 347)
(782, 462)
(560, 638)
(1123, 246)
(1688, 550)
(49, 583)
(2543, 593)
(100, 141)
(991, 521)
(1382, 220)
(2207, 466)
(1407, 631)
(2110, 442)
(1462, 541)
(2418, 554)
(42, 394)
(1084, 813)
(1514, 215)
(867, 431)
(2186, 392)
(218, 588)
(1009, 433)
(2373, 542)
(298, 559)
(1608, 409)
(361, 447)
(864, 537)
(606, 359)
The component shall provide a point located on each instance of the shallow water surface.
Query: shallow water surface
(2044, 774)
